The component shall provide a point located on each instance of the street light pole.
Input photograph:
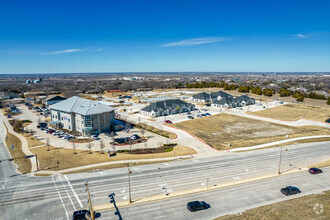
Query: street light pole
(129, 183)
(279, 166)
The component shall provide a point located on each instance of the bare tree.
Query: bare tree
(102, 146)
(47, 144)
(74, 148)
(89, 146)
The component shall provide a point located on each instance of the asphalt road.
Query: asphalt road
(231, 200)
(58, 196)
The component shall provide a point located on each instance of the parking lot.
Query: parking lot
(60, 140)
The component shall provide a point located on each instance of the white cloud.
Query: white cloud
(75, 50)
(300, 35)
(65, 51)
(195, 41)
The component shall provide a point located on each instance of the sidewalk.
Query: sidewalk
(113, 162)
(276, 143)
(25, 146)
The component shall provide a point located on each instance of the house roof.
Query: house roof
(81, 106)
(54, 98)
(222, 94)
(231, 100)
(244, 98)
(166, 104)
(202, 95)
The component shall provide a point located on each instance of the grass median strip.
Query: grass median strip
(68, 159)
(307, 207)
(223, 129)
(113, 166)
(23, 165)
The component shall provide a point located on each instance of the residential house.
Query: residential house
(234, 102)
(167, 107)
(53, 99)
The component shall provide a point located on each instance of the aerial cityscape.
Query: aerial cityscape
(215, 110)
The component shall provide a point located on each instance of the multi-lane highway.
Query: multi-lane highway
(58, 196)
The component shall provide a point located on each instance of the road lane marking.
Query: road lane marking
(67, 193)
(74, 193)
(66, 212)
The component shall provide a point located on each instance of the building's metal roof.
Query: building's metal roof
(166, 104)
(81, 106)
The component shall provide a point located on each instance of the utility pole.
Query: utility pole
(279, 165)
(91, 211)
(129, 183)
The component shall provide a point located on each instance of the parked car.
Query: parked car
(43, 128)
(207, 114)
(168, 122)
(135, 137)
(42, 124)
(95, 137)
(315, 170)
(197, 205)
(190, 117)
(51, 131)
(198, 116)
(203, 115)
(289, 190)
(69, 138)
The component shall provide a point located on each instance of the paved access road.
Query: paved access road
(57, 197)
(231, 200)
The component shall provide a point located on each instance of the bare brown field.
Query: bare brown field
(67, 159)
(299, 208)
(219, 130)
(32, 141)
(292, 112)
(24, 165)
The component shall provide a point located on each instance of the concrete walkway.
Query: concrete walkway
(25, 146)
(114, 162)
(300, 122)
(276, 143)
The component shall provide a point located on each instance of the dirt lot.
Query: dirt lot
(24, 165)
(293, 112)
(304, 208)
(218, 130)
(67, 158)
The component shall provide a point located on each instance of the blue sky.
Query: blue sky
(164, 36)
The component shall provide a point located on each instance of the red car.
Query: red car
(168, 122)
(315, 170)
